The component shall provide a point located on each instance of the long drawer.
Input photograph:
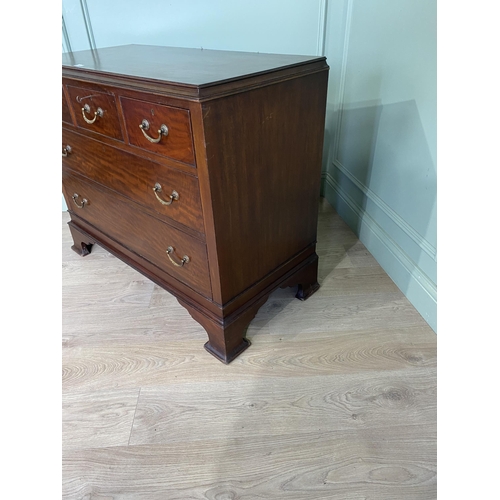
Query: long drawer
(170, 193)
(178, 254)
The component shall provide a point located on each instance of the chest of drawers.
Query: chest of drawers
(201, 170)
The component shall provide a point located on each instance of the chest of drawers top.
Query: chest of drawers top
(192, 73)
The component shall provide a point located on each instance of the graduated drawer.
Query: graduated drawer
(164, 130)
(95, 110)
(144, 235)
(137, 179)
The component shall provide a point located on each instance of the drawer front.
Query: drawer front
(86, 102)
(115, 216)
(136, 178)
(66, 115)
(175, 139)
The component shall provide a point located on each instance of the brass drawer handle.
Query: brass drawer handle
(162, 132)
(173, 196)
(97, 114)
(66, 151)
(184, 260)
(84, 201)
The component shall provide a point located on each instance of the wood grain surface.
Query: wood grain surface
(135, 178)
(265, 197)
(115, 216)
(336, 399)
(108, 124)
(177, 144)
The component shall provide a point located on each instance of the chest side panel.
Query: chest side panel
(264, 150)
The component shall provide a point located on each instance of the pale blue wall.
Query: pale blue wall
(380, 173)
(277, 26)
(379, 165)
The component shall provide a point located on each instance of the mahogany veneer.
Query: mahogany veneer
(219, 206)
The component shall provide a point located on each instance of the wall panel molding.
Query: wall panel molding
(65, 37)
(321, 28)
(343, 72)
(88, 24)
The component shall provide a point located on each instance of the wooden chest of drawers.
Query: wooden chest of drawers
(201, 170)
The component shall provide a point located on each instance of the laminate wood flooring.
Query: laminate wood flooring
(335, 399)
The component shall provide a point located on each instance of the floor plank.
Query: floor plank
(140, 365)
(216, 410)
(98, 419)
(390, 464)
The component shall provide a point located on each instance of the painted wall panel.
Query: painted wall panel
(75, 25)
(391, 66)
(381, 172)
(385, 148)
(258, 26)
(336, 17)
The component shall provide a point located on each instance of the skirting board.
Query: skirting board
(410, 279)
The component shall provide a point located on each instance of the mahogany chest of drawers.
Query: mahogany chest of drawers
(201, 170)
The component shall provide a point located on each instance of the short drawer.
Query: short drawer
(95, 110)
(170, 193)
(164, 130)
(176, 253)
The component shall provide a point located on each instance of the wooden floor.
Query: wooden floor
(335, 399)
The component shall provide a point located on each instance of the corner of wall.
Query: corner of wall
(401, 268)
